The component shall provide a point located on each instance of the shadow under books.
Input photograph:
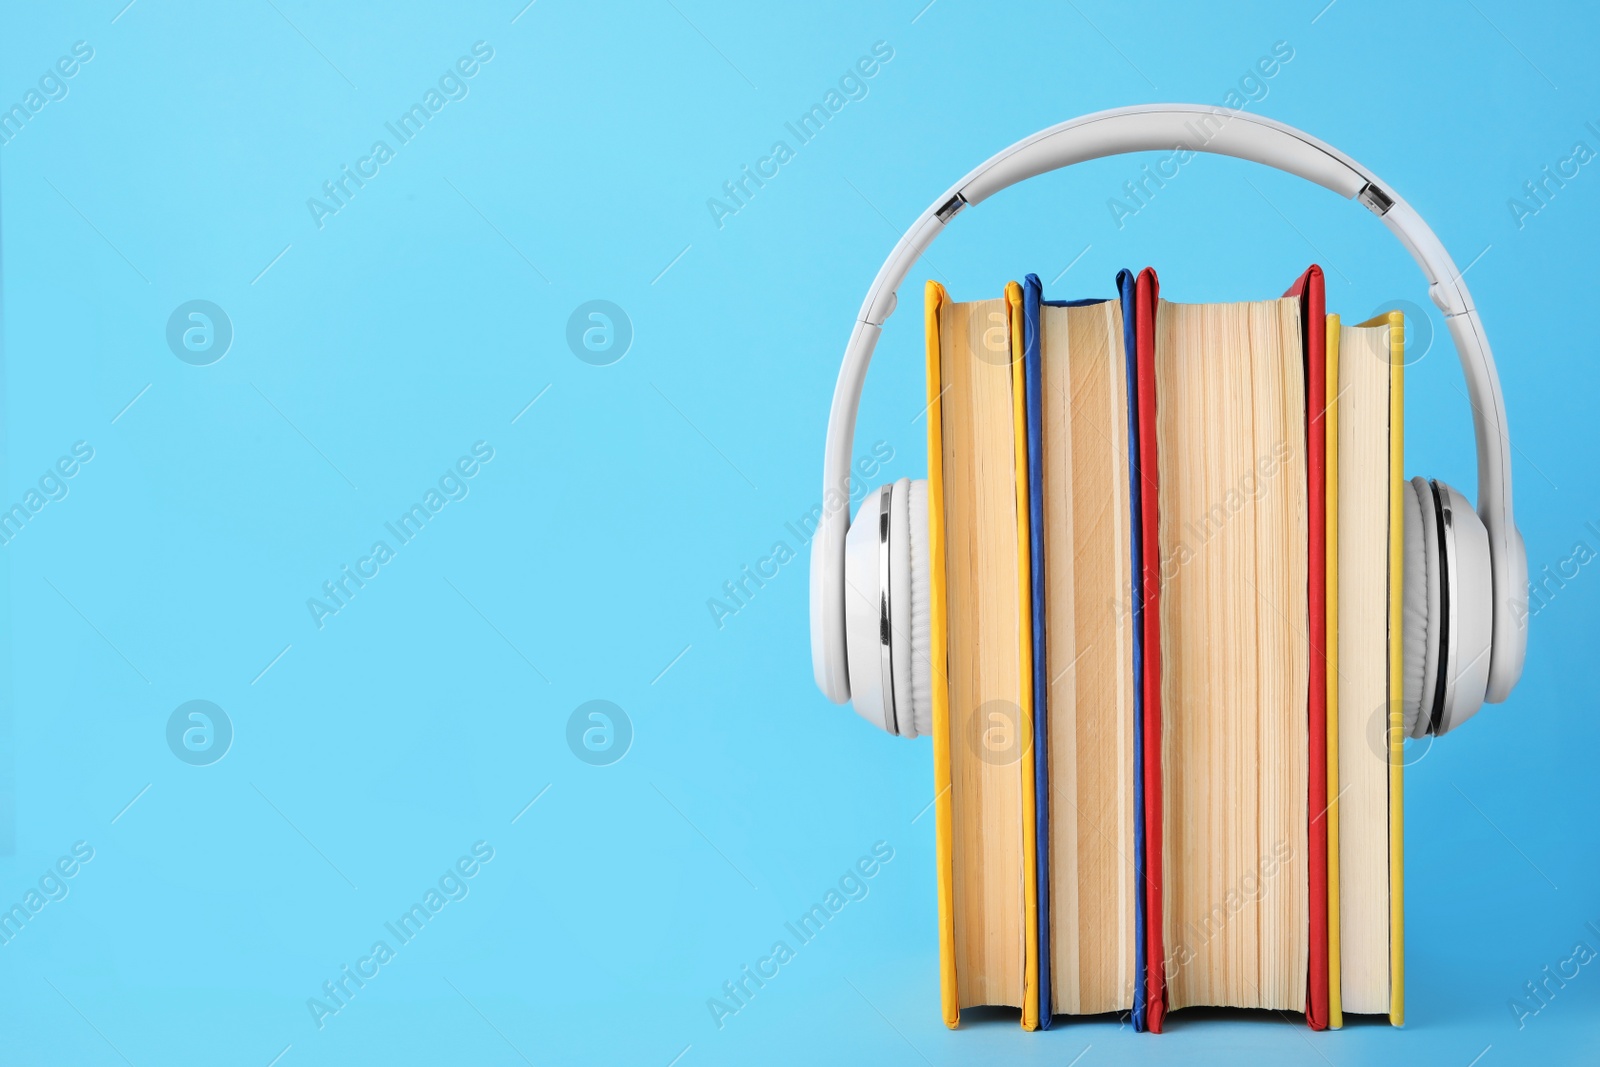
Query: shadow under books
(1179, 1022)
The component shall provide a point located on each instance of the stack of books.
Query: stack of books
(1166, 543)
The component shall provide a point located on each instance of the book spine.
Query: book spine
(1032, 372)
(1127, 289)
(1335, 1004)
(1313, 312)
(1146, 303)
(1030, 754)
(1396, 738)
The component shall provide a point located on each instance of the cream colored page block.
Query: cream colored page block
(1235, 649)
(1057, 423)
(1363, 668)
(1090, 656)
(981, 558)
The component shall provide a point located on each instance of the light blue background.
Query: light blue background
(432, 309)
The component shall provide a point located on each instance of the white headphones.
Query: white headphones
(1465, 572)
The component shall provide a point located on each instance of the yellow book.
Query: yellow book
(943, 816)
(1396, 732)
(981, 647)
(1331, 425)
(1365, 551)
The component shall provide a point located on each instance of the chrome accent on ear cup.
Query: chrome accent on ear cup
(1444, 683)
(1467, 608)
(1420, 606)
(891, 715)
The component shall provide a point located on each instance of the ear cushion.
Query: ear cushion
(921, 658)
(1470, 609)
(899, 556)
(1419, 637)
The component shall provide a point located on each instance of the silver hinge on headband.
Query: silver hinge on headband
(1378, 202)
(948, 209)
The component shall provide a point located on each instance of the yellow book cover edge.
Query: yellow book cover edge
(1397, 555)
(1397, 552)
(1330, 422)
(949, 992)
(1396, 734)
(1030, 849)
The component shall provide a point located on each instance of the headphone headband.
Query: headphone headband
(1193, 128)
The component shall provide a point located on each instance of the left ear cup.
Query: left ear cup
(887, 609)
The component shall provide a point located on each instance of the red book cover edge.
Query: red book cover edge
(1313, 316)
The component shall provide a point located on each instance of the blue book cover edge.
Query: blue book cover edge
(1032, 301)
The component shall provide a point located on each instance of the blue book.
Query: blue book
(1125, 616)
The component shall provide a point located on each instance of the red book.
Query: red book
(1313, 318)
(1310, 289)
(1146, 294)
